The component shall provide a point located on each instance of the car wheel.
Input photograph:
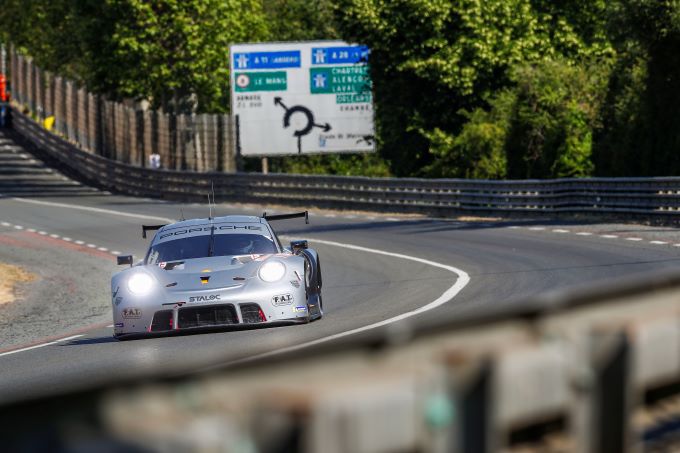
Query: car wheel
(308, 278)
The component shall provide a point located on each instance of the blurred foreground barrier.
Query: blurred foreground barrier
(593, 371)
(646, 197)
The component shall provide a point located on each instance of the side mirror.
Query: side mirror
(125, 259)
(296, 246)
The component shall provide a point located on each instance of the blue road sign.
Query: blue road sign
(340, 55)
(267, 60)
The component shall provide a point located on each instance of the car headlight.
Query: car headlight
(140, 284)
(272, 271)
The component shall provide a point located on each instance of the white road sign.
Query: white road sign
(301, 97)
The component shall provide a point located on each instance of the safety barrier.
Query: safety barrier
(593, 372)
(649, 197)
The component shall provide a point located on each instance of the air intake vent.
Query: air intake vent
(214, 315)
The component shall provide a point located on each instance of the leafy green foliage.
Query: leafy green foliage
(641, 133)
(175, 52)
(551, 129)
(463, 88)
(433, 60)
(478, 151)
(332, 164)
(54, 32)
(300, 20)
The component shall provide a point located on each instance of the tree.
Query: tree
(175, 52)
(431, 60)
(55, 33)
(641, 134)
(300, 20)
(556, 111)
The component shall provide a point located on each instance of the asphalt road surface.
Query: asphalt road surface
(61, 339)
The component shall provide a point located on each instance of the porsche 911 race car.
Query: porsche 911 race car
(216, 272)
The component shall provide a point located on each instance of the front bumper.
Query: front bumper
(164, 318)
(207, 329)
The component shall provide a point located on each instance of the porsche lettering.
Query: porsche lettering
(207, 229)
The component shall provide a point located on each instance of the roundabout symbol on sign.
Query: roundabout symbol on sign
(299, 133)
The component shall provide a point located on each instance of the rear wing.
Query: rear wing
(146, 228)
(295, 215)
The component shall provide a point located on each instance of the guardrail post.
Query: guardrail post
(611, 393)
(473, 394)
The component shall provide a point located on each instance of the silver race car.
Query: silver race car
(210, 273)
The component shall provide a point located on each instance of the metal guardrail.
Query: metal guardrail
(650, 197)
(595, 371)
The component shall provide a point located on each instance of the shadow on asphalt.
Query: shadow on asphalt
(425, 225)
(86, 341)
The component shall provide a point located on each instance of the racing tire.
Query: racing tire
(318, 289)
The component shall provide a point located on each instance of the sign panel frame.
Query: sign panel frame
(291, 98)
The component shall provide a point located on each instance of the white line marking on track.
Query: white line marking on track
(67, 239)
(537, 228)
(31, 230)
(102, 249)
(609, 236)
(462, 280)
(90, 209)
(633, 239)
(18, 227)
(560, 231)
(392, 219)
(115, 252)
(5, 224)
(658, 242)
(584, 233)
(42, 345)
(676, 245)
(92, 246)
(70, 338)
(79, 242)
(54, 236)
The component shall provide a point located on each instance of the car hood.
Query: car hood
(215, 272)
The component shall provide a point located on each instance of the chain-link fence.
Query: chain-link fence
(127, 132)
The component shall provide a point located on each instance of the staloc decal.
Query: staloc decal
(209, 298)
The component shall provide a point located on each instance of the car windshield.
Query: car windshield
(199, 247)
